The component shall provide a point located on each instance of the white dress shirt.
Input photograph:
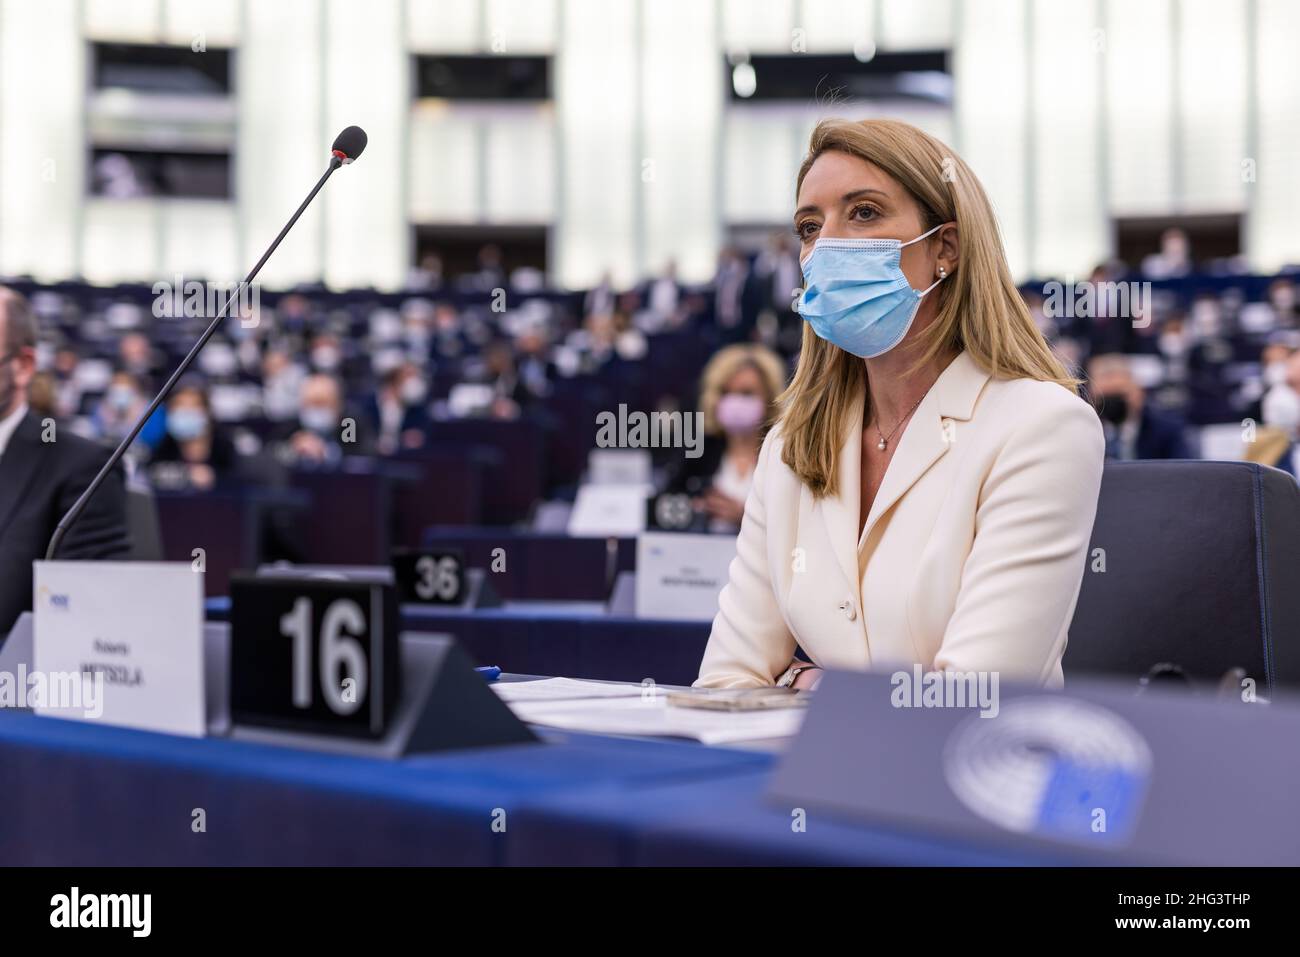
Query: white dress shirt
(9, 425)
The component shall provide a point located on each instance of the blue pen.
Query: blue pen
(490, 673)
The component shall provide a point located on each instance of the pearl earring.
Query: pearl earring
(942, 272)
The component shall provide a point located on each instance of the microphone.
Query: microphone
(348, 145)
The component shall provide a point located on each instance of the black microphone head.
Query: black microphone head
(349, 144)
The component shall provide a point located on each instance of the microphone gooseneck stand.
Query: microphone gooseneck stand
(80, 504)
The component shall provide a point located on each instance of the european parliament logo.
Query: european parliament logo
(52, 599)
(1052, 767)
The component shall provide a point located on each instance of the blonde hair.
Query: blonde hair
(726, 362)
(980, 310)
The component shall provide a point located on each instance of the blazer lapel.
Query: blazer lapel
(18, 466)
(839, 512)
(930, 433)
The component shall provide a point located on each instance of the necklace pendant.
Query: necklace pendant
(882, 445)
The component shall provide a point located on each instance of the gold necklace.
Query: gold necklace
(884, 439)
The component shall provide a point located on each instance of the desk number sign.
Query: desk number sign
(313, 655)
(430, 577)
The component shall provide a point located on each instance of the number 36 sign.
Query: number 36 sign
(313, 654)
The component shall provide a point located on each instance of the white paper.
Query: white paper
(563, 689)
(654, 717)
(603, 510)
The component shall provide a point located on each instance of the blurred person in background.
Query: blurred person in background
(1277, 442)
(490, 270)
(136, 355)
(322, 434)
(117, 411)
(397, 413)
(1282, 297)
(416, 316)
(43, 396)
(326, 353)
(1210, 356)
(662, 296)
(1133, 429)
(293, 314)
(532, 360)
(776, 269)
(427, 275)
(738, 391)
(281, 385)
(599, 299)
(448, 332)
(68, 389)
(195, 453)
(729, 290)
(953, 543)
(43, 470)
(511, 395)
(1173, 259)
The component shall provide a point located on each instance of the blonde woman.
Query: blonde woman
(738, 392)
(927, 494)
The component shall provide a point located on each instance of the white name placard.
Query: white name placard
(602, 510)
(128, 636)
(619, 467)
(679, 576)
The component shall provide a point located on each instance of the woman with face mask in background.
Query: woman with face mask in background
(738, 391)
(927, 495)
(194, 454)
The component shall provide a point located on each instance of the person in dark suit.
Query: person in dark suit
(396, 415)
(43, 470)
(1133, 429)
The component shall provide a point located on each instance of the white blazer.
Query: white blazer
(970, 560)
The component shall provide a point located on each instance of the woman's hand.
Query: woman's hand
(807, 679)
(723, 507)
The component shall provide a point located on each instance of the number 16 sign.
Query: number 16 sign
(313, 654)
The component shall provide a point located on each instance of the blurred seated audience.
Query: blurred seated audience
(738, 393)
(1133, 429)
(281, 389)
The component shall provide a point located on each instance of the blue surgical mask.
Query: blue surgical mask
(315, 418)
(186, 424)
(856, 295)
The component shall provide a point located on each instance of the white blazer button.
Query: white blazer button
(849, 611)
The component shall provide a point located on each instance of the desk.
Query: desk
(539, 566)
(88, 794)
(352, 510)
(576, 639)
(228, 525)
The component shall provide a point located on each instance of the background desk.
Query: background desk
(576, 639)
(87, 794)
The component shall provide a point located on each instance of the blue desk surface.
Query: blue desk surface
(89, 794)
